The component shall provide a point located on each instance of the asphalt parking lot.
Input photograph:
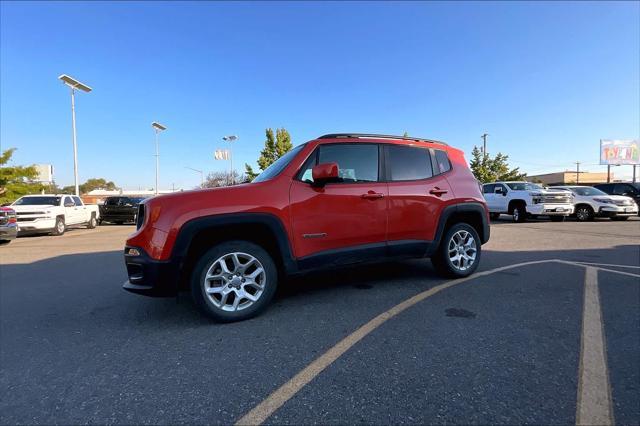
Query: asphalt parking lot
(548, 330)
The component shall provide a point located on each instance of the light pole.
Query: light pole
(157, 127)
(74, 84)
(231, 138)
(201, 175)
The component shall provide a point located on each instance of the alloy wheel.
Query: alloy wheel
(462, 250)
(583, 214)
(234, 281)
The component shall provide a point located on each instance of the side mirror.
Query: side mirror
(324, 173)
(498, 190)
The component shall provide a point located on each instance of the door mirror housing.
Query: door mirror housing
(498, 190)
(324, 173)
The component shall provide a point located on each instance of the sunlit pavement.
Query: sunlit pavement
(508, 346)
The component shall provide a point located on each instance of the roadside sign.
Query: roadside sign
(618, 152)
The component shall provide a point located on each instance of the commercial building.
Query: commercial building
(568, 177)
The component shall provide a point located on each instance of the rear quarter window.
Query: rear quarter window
(442, 161)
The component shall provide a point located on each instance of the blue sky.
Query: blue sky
(545, 80)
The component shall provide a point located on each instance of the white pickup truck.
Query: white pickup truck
(53, 213)
(526, 199)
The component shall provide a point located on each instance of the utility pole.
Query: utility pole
(634, 173)
(484, 146)
(608, 173)
(577, 172)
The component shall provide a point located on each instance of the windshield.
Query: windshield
(586, 190)
(523, 186)
(34, 201)
(274, 169)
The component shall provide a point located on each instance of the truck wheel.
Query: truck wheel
(519, 213)
(584, 213)
(234, 281)
(459, 252)
(92, 222)
(557, 218)
(59, 227)
(494, 216)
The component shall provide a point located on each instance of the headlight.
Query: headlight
(536, 198)
(603, 200)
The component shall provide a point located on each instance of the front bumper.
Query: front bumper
(36, 225)
(150, 277)
(8, 232)
(550, 209)
(617, 211)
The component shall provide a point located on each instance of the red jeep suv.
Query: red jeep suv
(337, 200)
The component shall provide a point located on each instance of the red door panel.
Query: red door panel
(414, 208)
(337, 216)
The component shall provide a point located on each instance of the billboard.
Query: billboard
(616, 152)
(45, 173)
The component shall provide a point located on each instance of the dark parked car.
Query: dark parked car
(8, 225)
(120, 209)
(627, 189)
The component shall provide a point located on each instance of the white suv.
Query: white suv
(590, 202)
(522, 199)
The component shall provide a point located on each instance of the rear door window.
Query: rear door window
(408, 163)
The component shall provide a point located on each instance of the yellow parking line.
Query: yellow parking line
(280, 396)
(594, 392)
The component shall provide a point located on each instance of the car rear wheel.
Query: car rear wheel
(459, 252)
(234, 281)
(584, 213)
(93, 222)
(59, 227)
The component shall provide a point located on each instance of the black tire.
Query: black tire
(203, 300)
(557, 218)
(4, 242)
(93, 222)
(519, 213)
(494, 216)
(59, 227)
(620, 218)
(584, 214)
(441, 260)
(100, 222)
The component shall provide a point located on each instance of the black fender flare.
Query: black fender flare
(193, 226)
(448, 211)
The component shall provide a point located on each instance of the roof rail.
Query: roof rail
(374, 136)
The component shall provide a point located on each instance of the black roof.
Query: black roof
(375, 136)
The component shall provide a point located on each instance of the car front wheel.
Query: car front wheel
(584, 213)
(459, 252)
(234, 281)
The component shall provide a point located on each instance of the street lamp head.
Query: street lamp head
(73, 83)
(158, 126)
(230, 138)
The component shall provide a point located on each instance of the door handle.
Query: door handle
(437, 191)
(372, 195)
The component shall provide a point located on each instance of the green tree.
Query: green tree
(16, 181)
(97, 183)
(275, 146)
(405, 135)
(487, 169)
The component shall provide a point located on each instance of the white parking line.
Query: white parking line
(609, 264)
(594, 391)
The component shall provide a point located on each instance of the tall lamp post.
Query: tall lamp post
(157, 127)
(201, 175)
(231, 138)
(74, 84)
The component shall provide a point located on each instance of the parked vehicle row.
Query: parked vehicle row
(337, 200)
(524, 200)
(53, 213)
